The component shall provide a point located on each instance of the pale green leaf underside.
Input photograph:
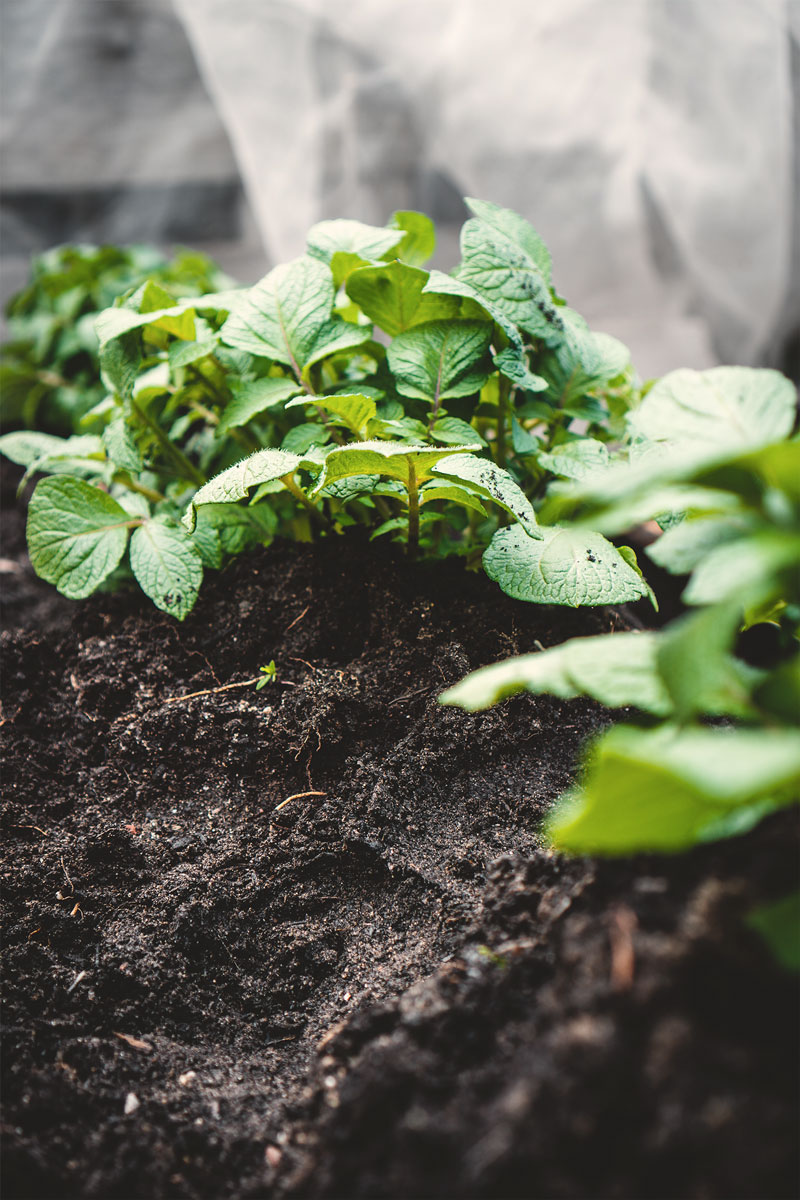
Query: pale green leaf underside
(167, 566)
(341, 235)
(76, 534)
(353, 409)
(684, 546)
(392, 459)
(724, 407)
(617, 671)
(575, 460)
(492, 481)
(562, 566)
(234, 484)
(664, 789)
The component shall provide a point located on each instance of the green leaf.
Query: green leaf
(441, 359)
(183, 354)
(228, 529)
(779, 925)
(562, 566)
(684, 546)
(76, 534)
(301, 439)
(251, 397)
(419, 240)
(167, 565)
(451, 491)
(699, 671)
(618, 671)
(580, 363)
(512, 361)
(749, 569)
(662, 789)
(121, 445)
(392, 296)
(287, 317)
(514, 227)
(726, 407)
(234, 484)
(352, 409)
(120, 359)
(455, 432)
(486, 478)
(779, 694)
(26, 447)
(327, 238)
(506, 261)
(575, 460)
(393, 459)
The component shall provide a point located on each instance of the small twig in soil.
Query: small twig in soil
(295, 621)
(81, 975)
(66, 873)
(621, 929)
(227, 687)
(296, 796)
(134, 1042)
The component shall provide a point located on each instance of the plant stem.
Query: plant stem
(413, 511)
(149, 493)
(504, 388)
(186, 468)
(291, 486)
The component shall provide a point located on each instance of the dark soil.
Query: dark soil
(384, 988)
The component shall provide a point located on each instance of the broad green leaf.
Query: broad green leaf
(351, 487)
(575, 460)
(779, 925)
(301, 439)
(514, 227)
(120, 359)
(234, 484)
(441, 359)
(287, 317)
(684, 546)
(251, 397)
(506, 261)
(354, 410)
(419, 237)
(121, 445)
(26, 446)
(76, 534)
(228, 529)
(451, 491)
(512, 361)
(779, 693)
(725, 407)
(618, 670)
(486, 478)
(167, 566)
(662, 789)
(697, 666)
(352, 237)
(392, 296)
(749, 569)
(177, 319)
(183, 354)
(581, 362)
(393, 459)
(561, 566)
(400, 524)
(455, 432)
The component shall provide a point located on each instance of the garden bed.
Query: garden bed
(385, 987)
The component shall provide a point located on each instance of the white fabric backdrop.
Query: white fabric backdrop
(651, 142)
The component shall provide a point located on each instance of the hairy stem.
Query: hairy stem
(186, 469)
(413, 511)
(504, 389)
(293, 487)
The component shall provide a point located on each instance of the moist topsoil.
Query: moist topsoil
(305, 941)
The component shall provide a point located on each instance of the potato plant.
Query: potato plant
(715, 744)
(351, 387)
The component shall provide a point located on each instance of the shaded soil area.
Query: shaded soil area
(305, 941)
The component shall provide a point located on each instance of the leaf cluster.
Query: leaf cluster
(351, 387)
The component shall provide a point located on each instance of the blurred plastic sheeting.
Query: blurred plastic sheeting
(107, 130)
(651, 142)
